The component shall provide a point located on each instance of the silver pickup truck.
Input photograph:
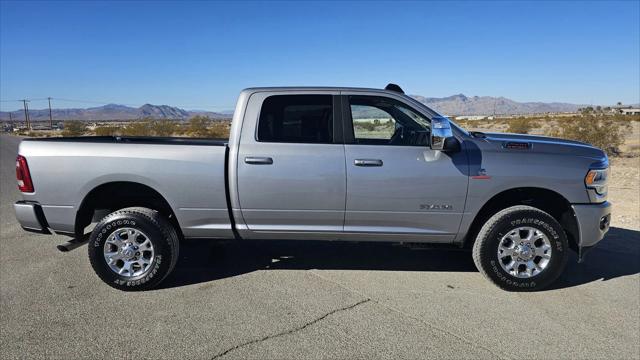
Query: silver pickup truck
(320, 163)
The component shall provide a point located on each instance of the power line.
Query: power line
(20, 100)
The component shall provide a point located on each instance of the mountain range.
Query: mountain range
(488, 105)
(451, 105)
(114, 112)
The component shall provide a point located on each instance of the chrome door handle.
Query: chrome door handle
(256, 160)
(367, 162)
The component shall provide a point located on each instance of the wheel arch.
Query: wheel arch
(547, 200)
(111, 196)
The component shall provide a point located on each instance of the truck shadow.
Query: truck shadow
(616, 256)
(203, 260)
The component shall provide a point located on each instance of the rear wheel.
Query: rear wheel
(133, 249)
(521, 248)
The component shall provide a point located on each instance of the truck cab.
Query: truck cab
(344, 165)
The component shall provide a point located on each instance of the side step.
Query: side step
(432, 246)
(73, 244)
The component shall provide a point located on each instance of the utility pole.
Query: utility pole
(50, 118)
(26, 113)
(494, 108)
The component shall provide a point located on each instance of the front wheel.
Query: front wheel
(133, 249)
(521, 248)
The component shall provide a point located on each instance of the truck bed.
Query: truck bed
(188, 173)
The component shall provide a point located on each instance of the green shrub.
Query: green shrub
(150, 127)
(203, 127)
(107, 131)
(462, 123)
(219, 130)
(74, 128)
(521, 125)
(606, 133)
(198, 126)
(365, 125)
(138, 128)
(164, 127)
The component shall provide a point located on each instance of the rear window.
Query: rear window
(296, 119)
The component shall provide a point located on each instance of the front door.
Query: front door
(291, 173)
(397, 187)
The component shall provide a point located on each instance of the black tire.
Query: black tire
(160, 232)
(485, 248)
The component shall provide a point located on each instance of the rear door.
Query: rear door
(291, 166)
(397, 187)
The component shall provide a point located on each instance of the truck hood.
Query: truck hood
(544, 144)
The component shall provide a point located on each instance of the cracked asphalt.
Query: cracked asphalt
(309, 300)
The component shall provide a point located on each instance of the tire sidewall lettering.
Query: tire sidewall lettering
(505, 224)
(157, 235)
(540, 225)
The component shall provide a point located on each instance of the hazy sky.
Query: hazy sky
(199, 55)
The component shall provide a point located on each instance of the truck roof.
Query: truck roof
(390, 89)
(317, 88)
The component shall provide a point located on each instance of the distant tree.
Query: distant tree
(619, 103)
(74, 128)
(588, 110)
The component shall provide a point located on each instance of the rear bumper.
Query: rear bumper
(31, 217)
(593, 223)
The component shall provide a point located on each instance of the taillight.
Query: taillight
(22, 174)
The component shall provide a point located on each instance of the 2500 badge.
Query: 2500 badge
(436, 207)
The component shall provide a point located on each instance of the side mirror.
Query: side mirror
(440, 133)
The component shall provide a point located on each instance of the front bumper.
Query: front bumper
(593, 223)
(31, 217)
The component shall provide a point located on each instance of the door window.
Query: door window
(370, 122)
(296, 119)
(384, 121)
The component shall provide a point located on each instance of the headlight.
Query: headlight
(597, 179)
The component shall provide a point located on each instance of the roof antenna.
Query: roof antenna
(394, 87)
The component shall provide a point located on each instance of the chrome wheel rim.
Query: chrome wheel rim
(524, 252)
(128, 252)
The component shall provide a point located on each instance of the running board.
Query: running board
(73, 244)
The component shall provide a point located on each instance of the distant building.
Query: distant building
(630, 111)
(474, 117)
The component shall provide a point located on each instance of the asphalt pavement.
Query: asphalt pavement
(308, 300)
